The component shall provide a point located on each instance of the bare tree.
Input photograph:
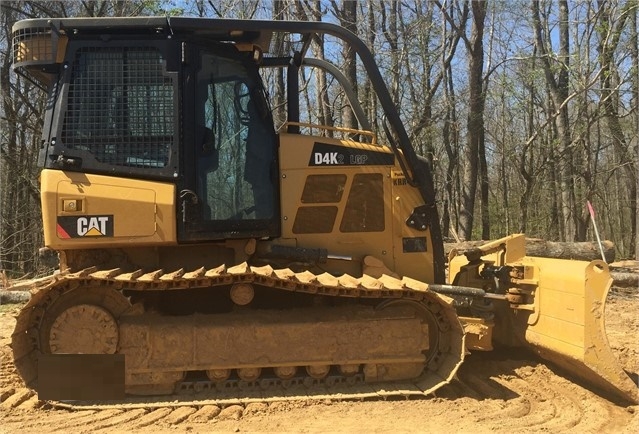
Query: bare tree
(347, 16)
(610, 30)
(562, 117)
(475, 117)
(558, 88)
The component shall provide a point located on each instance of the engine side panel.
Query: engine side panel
(90, 211)
(352, 199)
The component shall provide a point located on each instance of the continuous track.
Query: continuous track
(440, 369)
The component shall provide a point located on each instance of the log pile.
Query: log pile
(583, 251)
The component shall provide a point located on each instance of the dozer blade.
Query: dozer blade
(567, 325)
(556, 307)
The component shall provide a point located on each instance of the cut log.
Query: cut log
(625, 275)
(584, 251)
(626, 265)
(622, 279)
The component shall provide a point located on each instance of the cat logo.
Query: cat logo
(92, 226)
(85, 226)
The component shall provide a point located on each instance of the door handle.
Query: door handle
(187, 195)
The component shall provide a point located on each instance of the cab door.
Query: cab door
(230, 184)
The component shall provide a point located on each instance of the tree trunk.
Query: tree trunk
(450, 128)
(558, 87)
(475, 121)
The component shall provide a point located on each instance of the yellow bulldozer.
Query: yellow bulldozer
(202, 248)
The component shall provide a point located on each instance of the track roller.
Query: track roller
(285, 372)
(218, 375)
(249, 374)
(318, 371)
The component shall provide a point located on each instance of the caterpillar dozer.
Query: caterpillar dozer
(202, 248)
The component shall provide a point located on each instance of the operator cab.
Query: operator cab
(186, 109)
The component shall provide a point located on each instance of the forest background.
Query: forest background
(527, 110)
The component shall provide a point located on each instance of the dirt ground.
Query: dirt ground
(494, 392)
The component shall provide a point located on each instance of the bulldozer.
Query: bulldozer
(203, 248)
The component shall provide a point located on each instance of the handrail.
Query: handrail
(371, 134)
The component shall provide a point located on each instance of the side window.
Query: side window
(234, 149)
(121, 107)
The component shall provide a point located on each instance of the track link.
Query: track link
(440, 369)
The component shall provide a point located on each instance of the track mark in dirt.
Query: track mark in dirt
(31, 404)
(179, 414)
(255, 408)
(151, 418)
(556, 405)
(123, 418)
(526, 395)
(484, 386)
(17, 398)
(542, 406)
(205, 414)
(232, 412)
(43, 421)
(6, 392)
(88, 421)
